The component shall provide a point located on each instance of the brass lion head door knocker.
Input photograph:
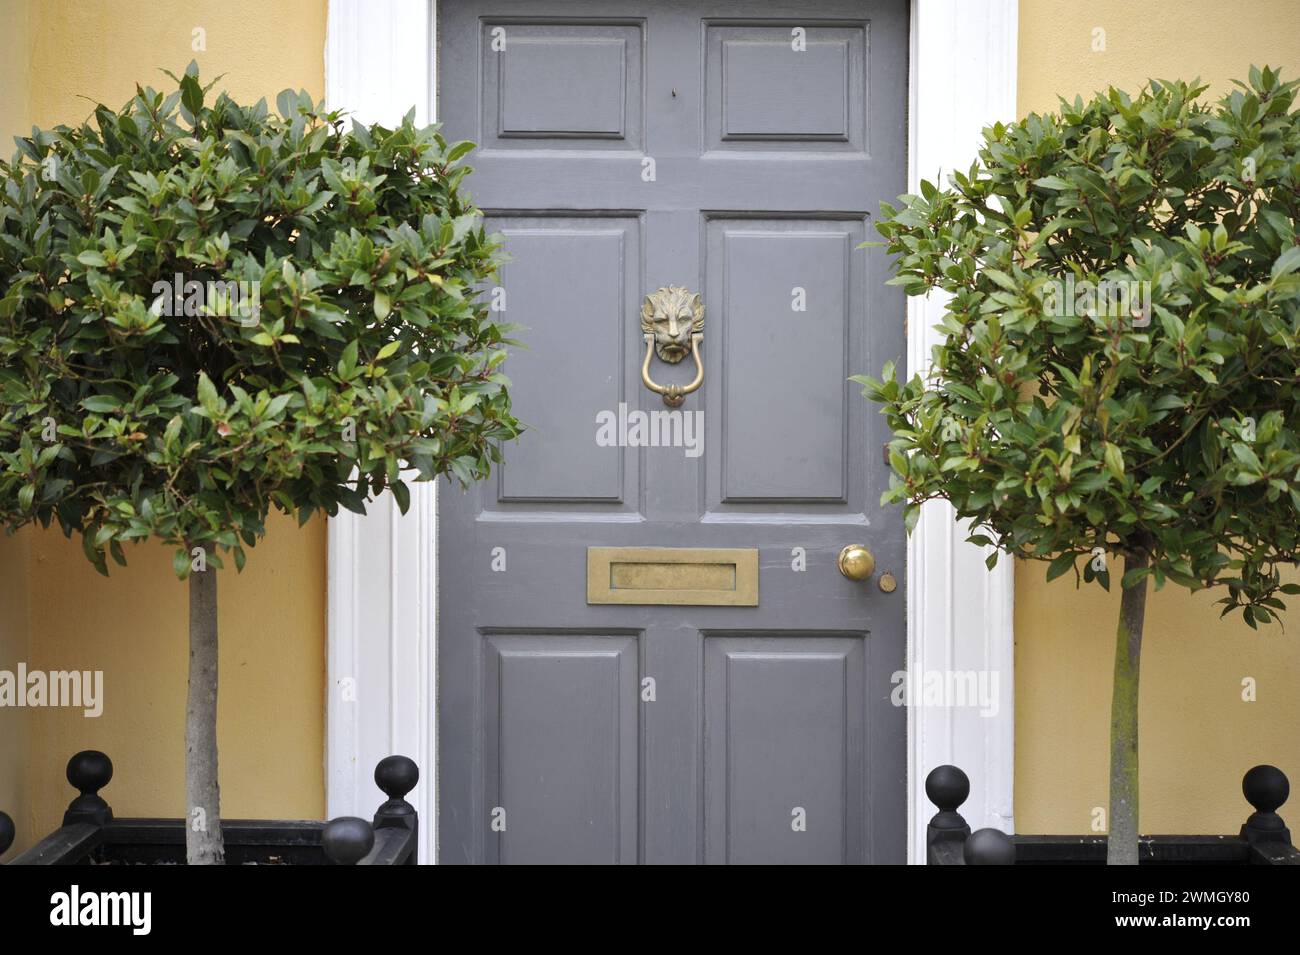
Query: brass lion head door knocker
(672, 321)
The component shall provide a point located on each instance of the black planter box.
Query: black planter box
(1264, 838)
(90, 835)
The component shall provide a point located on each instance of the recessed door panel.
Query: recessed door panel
(560, 744)
(784, 732)
(784, 296)
(567, 282)
(561, 85)
(792, 85)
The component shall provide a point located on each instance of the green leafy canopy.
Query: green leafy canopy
(371, 359)
(1165, 423)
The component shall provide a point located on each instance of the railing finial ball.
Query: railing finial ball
(947, 787)
(989, 847)
(7, 832)
(89, 771)
(347, 840)
(396, 776)
(1266, 788)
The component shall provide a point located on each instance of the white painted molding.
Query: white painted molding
(959, 615)
(382, 645)
(379, 59)
(382, 568)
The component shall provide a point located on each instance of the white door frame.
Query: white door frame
(379, 61)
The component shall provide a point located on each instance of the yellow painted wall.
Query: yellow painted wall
(133, 625)
(14, 553)
(13, 550)
(1197, 735)
(13, 73)
(102, 48)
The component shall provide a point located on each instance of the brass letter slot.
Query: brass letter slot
(679, 576)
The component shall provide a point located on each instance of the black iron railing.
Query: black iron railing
(1264, 838)
(91, 833)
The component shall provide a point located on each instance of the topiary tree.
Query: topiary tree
(208, 310)
(1119, 380)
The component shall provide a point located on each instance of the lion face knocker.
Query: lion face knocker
(672, 314)
(672, 321)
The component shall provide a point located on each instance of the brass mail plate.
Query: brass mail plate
(679, 576)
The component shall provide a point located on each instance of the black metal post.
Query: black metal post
(396, 776)
(1266, 788)
(947, 787)
(89, 771)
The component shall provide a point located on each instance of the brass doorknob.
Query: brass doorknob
(856, 562)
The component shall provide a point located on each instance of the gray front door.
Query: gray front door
(737, 149)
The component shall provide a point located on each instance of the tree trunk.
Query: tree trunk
(1122, 846)
(203, 843)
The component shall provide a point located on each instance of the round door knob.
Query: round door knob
(856, 562)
